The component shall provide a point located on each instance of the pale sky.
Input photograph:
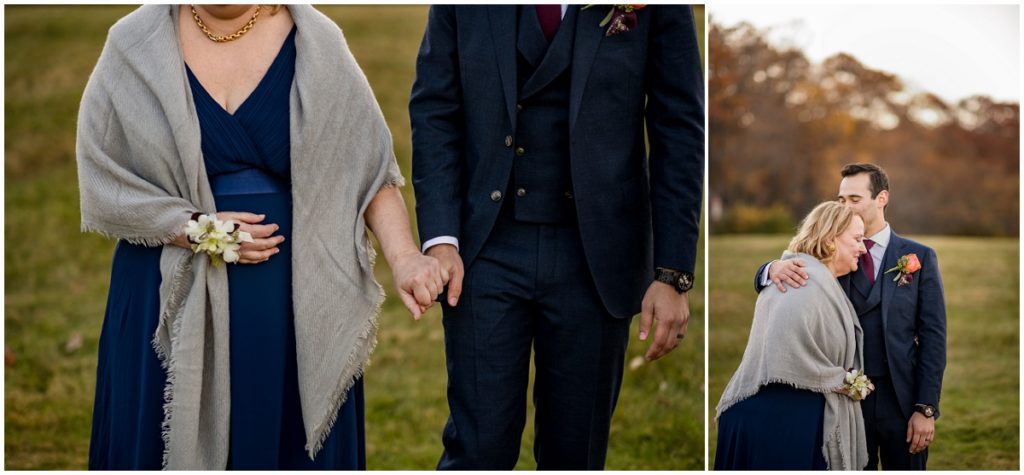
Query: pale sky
(954, 51)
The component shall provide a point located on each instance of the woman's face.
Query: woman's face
(849, 247)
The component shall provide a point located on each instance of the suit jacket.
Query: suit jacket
(635, 210)
(914, 323)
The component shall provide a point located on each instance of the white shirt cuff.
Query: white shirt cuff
(441, 240)
(765, 278)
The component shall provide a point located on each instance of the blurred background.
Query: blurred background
(57, 278)
(931, 94)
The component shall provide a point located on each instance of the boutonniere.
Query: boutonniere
(622, 18)
(905, 266)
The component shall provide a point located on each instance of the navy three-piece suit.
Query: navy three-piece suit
(904, 348)
(531, 153)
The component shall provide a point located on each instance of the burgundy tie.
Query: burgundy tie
(550, 17)
(867, 263)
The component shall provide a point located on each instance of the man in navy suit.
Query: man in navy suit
(904, 322)
(532, 175)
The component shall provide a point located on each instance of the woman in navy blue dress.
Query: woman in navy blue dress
(245, 141)
(789, 405)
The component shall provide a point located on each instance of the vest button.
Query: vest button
(568, 195)
(521, 192)
(495, 195)
(508, 140)
(519, 107)
(520, 151)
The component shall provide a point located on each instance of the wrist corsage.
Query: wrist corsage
(856, 385)
(218, 239)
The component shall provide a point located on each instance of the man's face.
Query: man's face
(855, 193)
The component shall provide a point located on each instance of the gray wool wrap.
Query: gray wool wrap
(141, 174)
(807, 338)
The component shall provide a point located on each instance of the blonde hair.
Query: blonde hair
(820, 229)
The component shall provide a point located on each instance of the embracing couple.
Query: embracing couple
(843, 366)
(239, 156)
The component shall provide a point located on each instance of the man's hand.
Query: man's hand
(451, 262)
(419, 280)
(788, 272)
(920, 432)
(671, 310)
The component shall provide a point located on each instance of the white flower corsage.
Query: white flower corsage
(857, 385)
(219, 239)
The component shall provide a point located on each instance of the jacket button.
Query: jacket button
(520, 151)
(568, 195)
(521, 192)
(495, 195)
(519, 107)
(508, 140)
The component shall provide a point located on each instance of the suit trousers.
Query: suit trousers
(530, 289)
(886, 428)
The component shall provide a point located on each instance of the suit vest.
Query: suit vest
(540, 185)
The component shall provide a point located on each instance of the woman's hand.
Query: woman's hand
(264, 242)
(420, 279)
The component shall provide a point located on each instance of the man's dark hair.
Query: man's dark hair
(879, 180)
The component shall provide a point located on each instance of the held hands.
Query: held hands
(450, 261)
(420, 279)
(264, 243)
(671, 310)
(788, 272)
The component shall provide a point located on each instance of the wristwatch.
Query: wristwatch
(926, 409)
(681, 281)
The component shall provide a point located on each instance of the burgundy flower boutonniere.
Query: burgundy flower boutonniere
(620, 19)
(904, 269)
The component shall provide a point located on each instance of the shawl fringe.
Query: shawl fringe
(148, 241)
(743, 396)
(360, 357)
(179, 292)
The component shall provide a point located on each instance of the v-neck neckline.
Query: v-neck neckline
(259, 86)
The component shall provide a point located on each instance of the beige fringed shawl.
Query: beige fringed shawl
(141, 174)
(807, 338)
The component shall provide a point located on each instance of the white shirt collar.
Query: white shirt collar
(881, 238)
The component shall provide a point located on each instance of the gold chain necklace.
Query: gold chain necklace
(223, 39)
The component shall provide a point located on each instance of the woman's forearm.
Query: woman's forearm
(388, 219)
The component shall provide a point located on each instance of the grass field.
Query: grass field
(980, 416)
(56, 280)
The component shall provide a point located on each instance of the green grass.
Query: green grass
(56, 280)
(980, 416)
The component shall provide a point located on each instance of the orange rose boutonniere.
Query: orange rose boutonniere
(620, 19)
(905, 266)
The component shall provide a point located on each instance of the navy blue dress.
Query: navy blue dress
(779, 428)
(247, 157)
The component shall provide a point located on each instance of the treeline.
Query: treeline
(781, 128)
